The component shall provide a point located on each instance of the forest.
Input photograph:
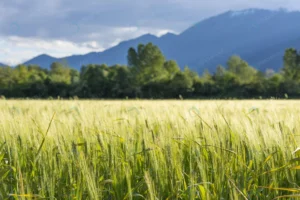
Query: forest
(149, 75)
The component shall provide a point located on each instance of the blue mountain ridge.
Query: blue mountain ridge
(259, 36)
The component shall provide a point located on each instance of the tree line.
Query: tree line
(149, 75)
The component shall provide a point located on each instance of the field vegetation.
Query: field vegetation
(149, 149)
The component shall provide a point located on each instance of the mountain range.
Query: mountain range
(259, 36)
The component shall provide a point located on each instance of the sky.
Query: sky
(66, 27)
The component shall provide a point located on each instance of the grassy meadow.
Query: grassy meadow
(149, 150)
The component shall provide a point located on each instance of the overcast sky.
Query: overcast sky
(65, 27)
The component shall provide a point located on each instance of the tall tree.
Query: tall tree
(146, 63)
(172, 68)
(94, 79)
(241, 69)
(60, 73)
(291, 64)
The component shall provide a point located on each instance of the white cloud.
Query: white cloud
(61, 28)
(125, 30)
(112, 35)
(92, 45)
(119, 34)
(16, 50)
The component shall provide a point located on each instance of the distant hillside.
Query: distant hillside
(259, 36)
(43, 60)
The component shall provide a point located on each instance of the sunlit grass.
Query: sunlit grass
(149, 149)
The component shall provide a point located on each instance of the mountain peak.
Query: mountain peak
(248, 11)
(146, 36)
(257, 35)
(3, 65)
(44, 56)
(141, 39)
(43, 60)
(168, 34)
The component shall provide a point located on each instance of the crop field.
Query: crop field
(149, 149)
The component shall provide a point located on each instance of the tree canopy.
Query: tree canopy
(150, 75)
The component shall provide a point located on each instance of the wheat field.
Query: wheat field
(149, 149)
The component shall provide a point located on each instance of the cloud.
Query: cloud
(74, 20)
(18, 49)
(62, 28)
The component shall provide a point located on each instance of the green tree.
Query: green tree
(147, 63)
(241, 69)
(181, 84)
(172, 68)
(226, 82)
(6, 80)
(120, 81)
(94, 80)
(60, 73)
(291, 67)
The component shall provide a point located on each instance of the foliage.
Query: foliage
(94, 150)
(150, 75)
